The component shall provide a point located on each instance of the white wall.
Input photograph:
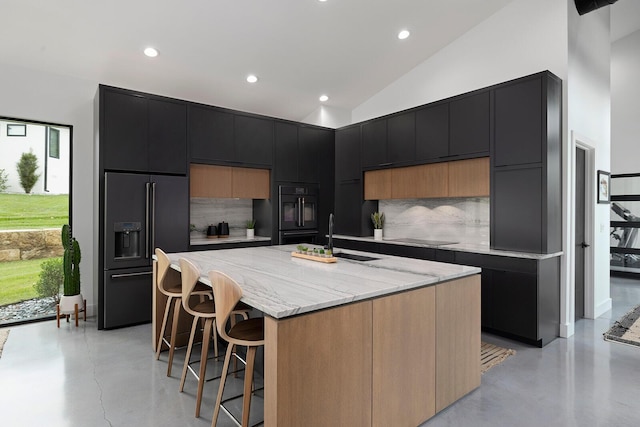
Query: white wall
(330, 117)
(38, 96)
(625, 104)
(589, 112)
(12, 148)
(522, 38)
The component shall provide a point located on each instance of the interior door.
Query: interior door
(579, 222)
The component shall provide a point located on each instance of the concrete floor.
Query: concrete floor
(85, 377)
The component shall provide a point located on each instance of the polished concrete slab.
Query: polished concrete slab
(85, 377)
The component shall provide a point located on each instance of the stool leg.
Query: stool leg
(206, 336)
(223, 379)
(177, 303)
(187, 357)
(167, 307)
(248, 381)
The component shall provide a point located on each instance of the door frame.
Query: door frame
(584, 143)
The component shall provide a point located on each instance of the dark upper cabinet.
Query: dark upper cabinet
(142, 133)
(374, 143)
(286, 152)
(348, 153)
(253, 140)
(432, 132)
(315, 154)
(519, 123)
(210, 134)
(167, 137)
(469, 124)
(401, 138)
(526, 170)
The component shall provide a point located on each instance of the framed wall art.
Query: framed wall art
(604, 187)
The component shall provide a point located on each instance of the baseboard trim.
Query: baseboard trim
(602, 308)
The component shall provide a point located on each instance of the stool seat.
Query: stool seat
(248, 330)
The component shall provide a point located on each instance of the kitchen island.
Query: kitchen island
(389, 341)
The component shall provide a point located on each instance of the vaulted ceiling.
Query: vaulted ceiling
(299, 49)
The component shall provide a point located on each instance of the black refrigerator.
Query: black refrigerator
(141, 212)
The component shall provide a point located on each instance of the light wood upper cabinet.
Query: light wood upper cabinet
(462, 178)
(377, 184)
(225, 182)
(469, 178)
(422, 181)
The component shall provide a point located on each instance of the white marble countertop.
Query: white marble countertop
(280, 285)
(461, 247)
(203, 240)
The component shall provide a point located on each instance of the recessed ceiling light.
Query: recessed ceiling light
(151, 52)
(323, 98)
(403, 34)
(322, 1)
(251, 78)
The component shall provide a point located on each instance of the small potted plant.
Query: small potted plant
(251, 225)
(71, 302)
(378, 222)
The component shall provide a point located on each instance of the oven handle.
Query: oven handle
(299, 233)
(302, 212)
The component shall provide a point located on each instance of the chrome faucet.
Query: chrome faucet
(330, 243)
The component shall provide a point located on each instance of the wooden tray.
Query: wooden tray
(326, 260)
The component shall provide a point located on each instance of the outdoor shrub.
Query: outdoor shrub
(27, 167)
(3, 180)
(50, 280)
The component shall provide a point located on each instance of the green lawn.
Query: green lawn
(18, 278)
(24, 211)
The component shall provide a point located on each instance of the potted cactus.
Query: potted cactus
(71, 302)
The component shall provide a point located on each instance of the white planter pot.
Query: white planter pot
(250, 233)
(377, 234)
(67, 304)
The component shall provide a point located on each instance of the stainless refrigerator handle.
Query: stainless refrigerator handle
(147, 219)
(120, 276)
(153, 217)
(302, 212)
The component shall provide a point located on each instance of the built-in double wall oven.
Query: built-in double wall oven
(298, 214)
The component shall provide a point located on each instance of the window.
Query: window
(54, 143)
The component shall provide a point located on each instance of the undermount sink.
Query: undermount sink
(354, 257)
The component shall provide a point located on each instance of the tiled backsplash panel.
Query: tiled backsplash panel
(464, 220)
(236, 212)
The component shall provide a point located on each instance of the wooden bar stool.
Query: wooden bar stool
(250, 333)
(202, 311)
(173, 291)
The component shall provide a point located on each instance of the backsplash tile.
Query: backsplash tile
(236, 212)
(464, 220)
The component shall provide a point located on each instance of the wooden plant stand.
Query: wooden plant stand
(76, 312)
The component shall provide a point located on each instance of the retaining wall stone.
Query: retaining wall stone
(30, 244)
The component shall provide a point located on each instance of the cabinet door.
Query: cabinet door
(518, 123)
(313, 153)
(348, 153)
(210, 134)
(171, 213)
(167, 137)
(210, 181)
(253, 140)
(247, 183)
(469, 120)
(469, 178)
(348, 208)
(514, 303)
(286, 160)
(401, 138)
(432, 132)
(124, 131)
(516, 211)
(374, 143)
(377, 184)
(431, 180)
